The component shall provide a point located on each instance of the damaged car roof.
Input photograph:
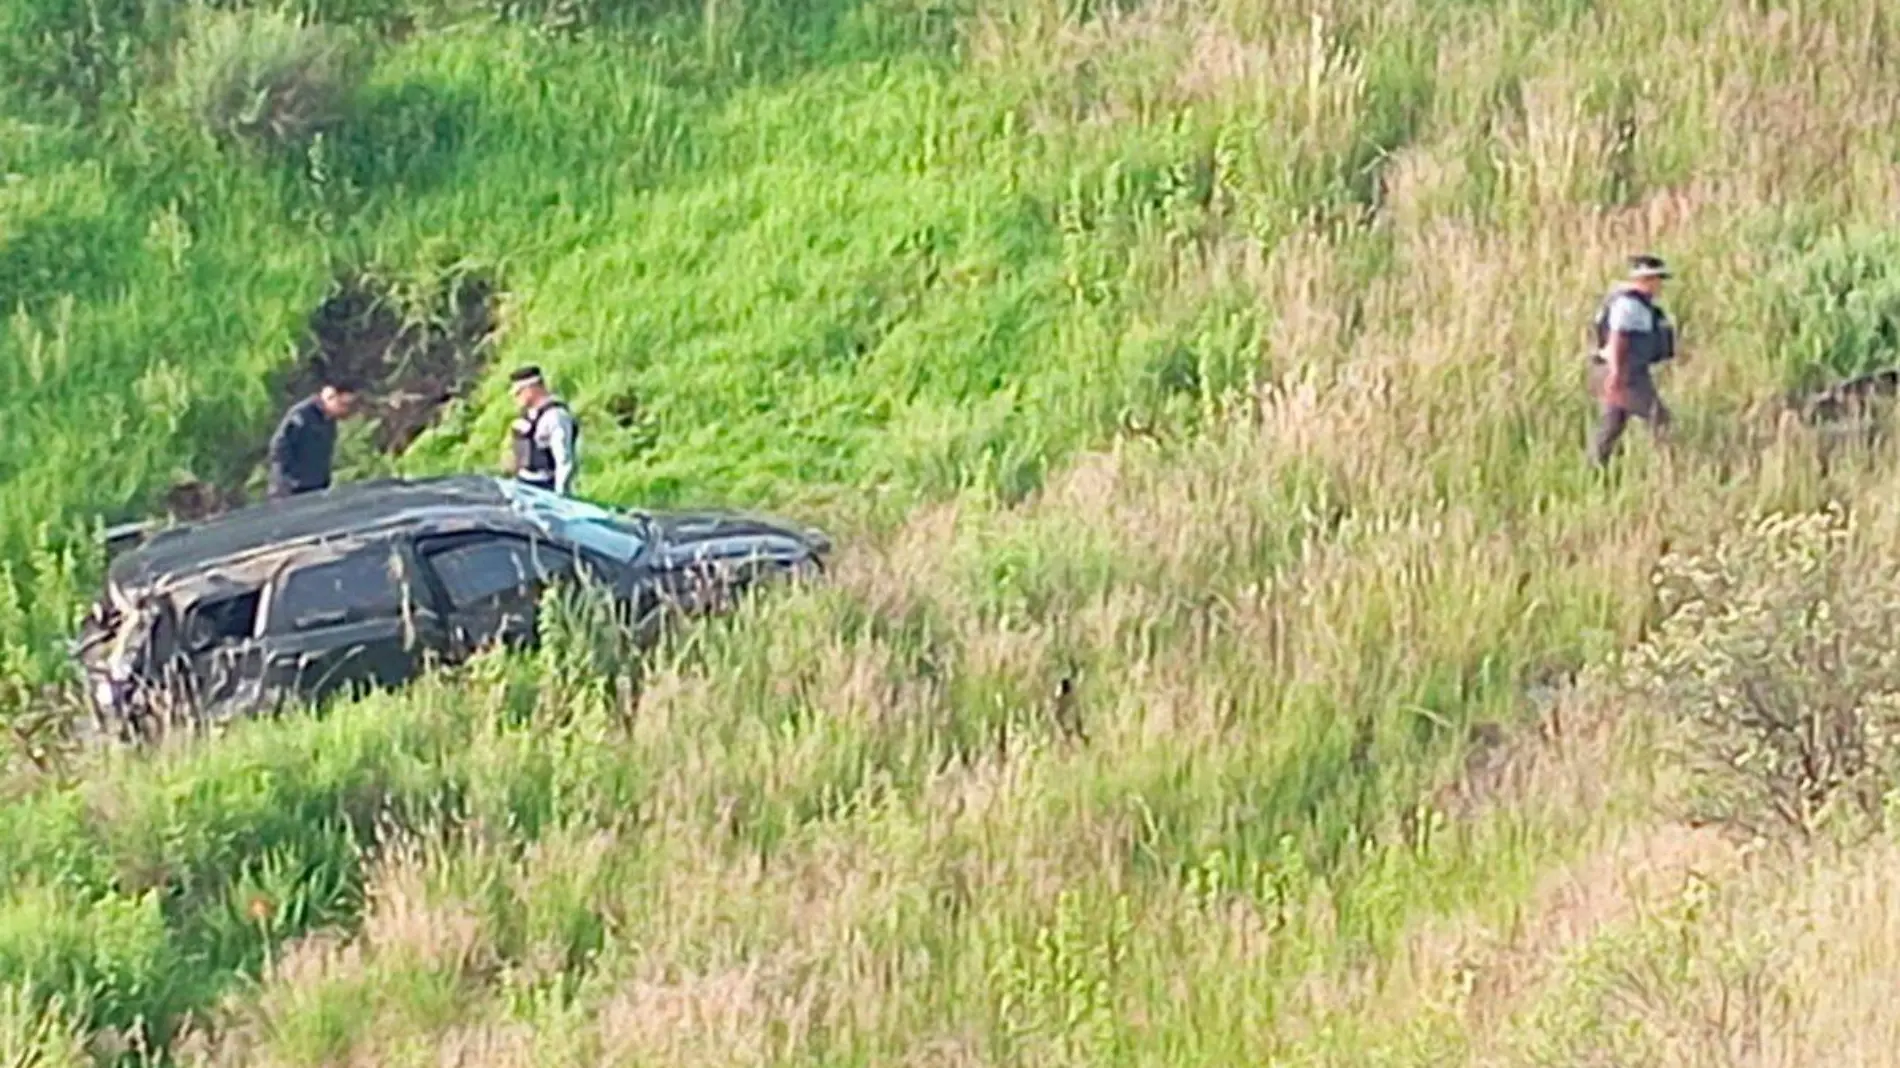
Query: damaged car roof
(352, 509)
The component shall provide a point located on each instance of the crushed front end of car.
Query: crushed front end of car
(109, 645)
(134, 680)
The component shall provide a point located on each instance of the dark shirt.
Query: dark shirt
(301, 450)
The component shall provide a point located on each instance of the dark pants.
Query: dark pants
(1639, 400)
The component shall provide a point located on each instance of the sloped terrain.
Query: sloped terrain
(1230, 661)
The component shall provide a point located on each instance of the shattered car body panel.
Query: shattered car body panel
(367, 584)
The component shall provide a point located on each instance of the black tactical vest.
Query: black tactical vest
(1656, 346)
(534, 462)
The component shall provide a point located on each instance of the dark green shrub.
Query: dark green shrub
(265, 78)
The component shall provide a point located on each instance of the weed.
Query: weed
(264, 78)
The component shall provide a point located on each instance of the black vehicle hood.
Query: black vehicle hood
(688, 535)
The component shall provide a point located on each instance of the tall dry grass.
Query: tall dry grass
(1226, 701)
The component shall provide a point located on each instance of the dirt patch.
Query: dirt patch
(413, 354)
(624, 410)
(1854, 413)
(1852, 398)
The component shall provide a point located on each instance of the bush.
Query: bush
(265, 78)
(1776, 663)
(1836, 309)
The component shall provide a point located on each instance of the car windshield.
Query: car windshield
(618, 534)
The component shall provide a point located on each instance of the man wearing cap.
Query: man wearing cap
(545, 435)
(1630, 335)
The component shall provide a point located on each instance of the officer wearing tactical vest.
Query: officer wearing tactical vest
(1630, 336)
(545, 435)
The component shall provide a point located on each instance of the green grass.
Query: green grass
(1220, 359)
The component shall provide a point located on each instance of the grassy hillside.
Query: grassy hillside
(1228, 663)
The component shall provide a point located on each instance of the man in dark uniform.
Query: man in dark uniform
(545, 437)
(304, 445)
(1631, 335)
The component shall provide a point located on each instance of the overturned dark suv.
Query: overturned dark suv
(368, 583)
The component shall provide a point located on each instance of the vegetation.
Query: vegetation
(1233, 660)
(263, 78)
(1772, 660)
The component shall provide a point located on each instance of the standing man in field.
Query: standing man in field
(545, 437)
(304, 445)
(1631, 335)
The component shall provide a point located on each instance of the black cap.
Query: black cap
(525, 376)
(1644, 265)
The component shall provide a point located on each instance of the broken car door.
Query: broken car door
(221, 642)
(350, 621)
(491, 584)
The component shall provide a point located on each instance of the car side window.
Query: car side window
(475, 571)
(363, 586)
(225, 621)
